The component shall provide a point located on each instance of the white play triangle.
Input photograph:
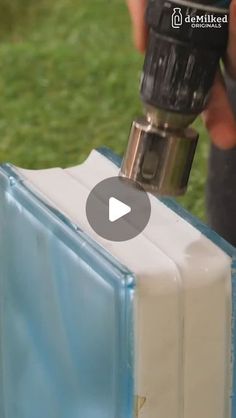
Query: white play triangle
(117, 209)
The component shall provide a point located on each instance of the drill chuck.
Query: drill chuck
(159, 159)
(186, 43)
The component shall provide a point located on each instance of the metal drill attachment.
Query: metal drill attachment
(160, 161)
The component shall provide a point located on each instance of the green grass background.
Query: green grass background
(69, 77)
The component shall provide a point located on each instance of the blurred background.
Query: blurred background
(69, 78)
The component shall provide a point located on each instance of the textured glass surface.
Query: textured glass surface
(66, 326)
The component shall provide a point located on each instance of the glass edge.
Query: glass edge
(13, 177)
(126, 374)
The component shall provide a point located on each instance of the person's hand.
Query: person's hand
(218, 116)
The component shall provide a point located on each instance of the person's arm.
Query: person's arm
(219, 116)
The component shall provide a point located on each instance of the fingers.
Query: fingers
(137, 10)
(231, 50)
(219, 118)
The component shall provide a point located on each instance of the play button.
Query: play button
(117, 210)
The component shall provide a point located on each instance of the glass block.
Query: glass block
(66, 330)
(67, 327)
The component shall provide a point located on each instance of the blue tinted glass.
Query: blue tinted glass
(66, 330)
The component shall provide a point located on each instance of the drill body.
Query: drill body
(186, 42)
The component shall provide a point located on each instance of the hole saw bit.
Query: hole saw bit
(185, 44)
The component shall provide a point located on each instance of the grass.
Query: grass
(69, 79)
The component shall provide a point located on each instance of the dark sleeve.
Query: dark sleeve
(221, 184)
(231, 89)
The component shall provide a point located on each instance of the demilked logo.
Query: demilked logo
(208, 20)
(177, 18)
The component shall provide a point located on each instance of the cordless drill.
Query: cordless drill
(185, 45)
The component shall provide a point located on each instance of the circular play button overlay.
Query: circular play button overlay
(117, 209)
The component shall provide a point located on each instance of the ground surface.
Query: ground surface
(69, 82)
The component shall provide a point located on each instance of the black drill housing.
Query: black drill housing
(181, 63)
